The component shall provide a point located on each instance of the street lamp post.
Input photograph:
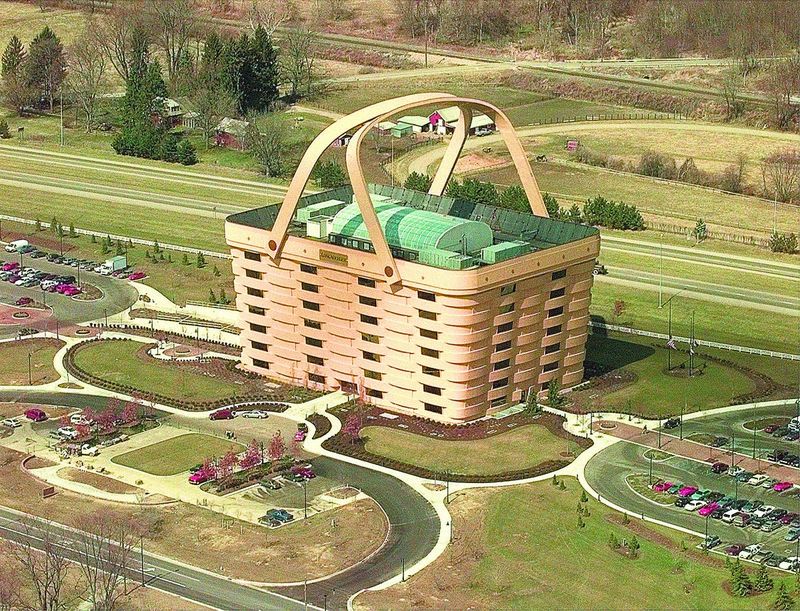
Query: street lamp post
(659, 433)
(30, 373)
(305, 499)
(651, 468)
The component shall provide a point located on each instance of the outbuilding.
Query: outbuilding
(230, 133)
(418, 124)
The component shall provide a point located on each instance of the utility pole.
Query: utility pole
(61, 104)
(669, 332)
(660, 270)
(683, 409)
(30, 374)
(659, 433)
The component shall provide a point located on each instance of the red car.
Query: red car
(198, 478)
(662, 486)
(36, 415)
(782, 486)
(300, 436)
(222, 414)
(136, 276)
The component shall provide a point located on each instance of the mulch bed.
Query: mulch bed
(207, 345)
(321, 425)
(89, 292)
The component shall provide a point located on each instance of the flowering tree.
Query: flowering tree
(252, 455)
(209, 469)
(106, 419)
(89, 414)
(277, 447)
(130, 413)
(83, 430)
(296, 449)
(64, 420)
(227, 464)
(352, 427)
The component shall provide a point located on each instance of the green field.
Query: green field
(26, 20)
(118, 361)
(754, 328)
(520, 448)
(511, 543)
(659, 393)
(14, 358)
(177, 454)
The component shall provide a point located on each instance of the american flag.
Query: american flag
(671, 344)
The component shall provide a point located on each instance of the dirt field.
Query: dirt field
(10, 410)
(237, 549)
(95, 480)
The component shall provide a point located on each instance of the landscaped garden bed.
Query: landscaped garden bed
(466, 453)
(124, 366)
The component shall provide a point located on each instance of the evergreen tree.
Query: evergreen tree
(784, 600)
(15, 90)
(212, 64)
(4, 131)
(46, 66)
(72, 232)
(634, 546)
(261, 73)
(554, 398)
(581, 523)
(216, 272)
(141, 112)
(553, 208)
(201, 261)
(38, 225)
(119, 250)
(54, 225)
(212, 298)
(584, 497)
(187, 154)
(418, 182)
(613, 542)
(763, 582)
(156, 247)
(94, 239)
(740, 581)
(514, 198)
(574, 215)
(329, 175)
(223, 298)
(185, 259)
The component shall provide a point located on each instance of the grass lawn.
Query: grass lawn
(26, 20)
(14, 359)
(517, 449)
(753, 328)
(762, 423)
(520, 548)
(176, 455)
(119, 362)
(640, 483)
(655, 392)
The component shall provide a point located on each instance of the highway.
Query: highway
(414, 525)
(194, 585)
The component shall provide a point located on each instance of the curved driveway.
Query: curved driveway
(414, 524)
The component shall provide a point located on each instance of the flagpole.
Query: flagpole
(691, 348)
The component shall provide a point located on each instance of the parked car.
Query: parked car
(729, 516)
(11, 423)
(763, 511)
(687, 491)
(792, 535)
(782, 486)
(682, 501)
(88, 449)
(672, 423)
(790, 564)
(222, 414)
(36, 415)
(137, 276)
(769, 483)
(67, 432)
(675, 489)
(708, 509)
(750, 550)
(300, 436)
(757, 479)
(79, 420)
(734, 470)
(700, 495)
(661, 486)
(197, 478)
(742, 519)
(770, 526)
(789, 518)
(256, 413)
(719, 441)
(734, 550)
(694, 505)
(719, 468)
(744, 476)
(711, 542)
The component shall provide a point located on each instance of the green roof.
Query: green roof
(416, 229)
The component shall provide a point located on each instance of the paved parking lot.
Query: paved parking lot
(608, 470)
(118, 295)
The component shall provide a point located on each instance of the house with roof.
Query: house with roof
(444, 121)
(171, 113)
(231, 133)
(417, 123)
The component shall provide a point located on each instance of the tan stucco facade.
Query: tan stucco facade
(442, 344)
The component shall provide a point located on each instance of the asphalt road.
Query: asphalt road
(414, 525)
(118, 295)
(200, 587)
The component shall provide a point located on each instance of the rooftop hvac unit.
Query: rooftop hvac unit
(319, 227)
(504, 251)
(327, 208)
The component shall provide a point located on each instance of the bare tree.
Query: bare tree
(212, 103)
(119, 34)
(9, 582)
(268, 146)
(270, 14)
(780, 173)
(87, 74)
(731, 91)
(297, 62)
(45, 565)
(174, 23)
(105, 553)
(784, 82)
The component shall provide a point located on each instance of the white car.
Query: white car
(12, 423)
(734, 471)
(790, 564)
(89, 450)
(763, 511)
(750, 551)
(67, 432)
(757, 480)
(79, 419)
(256, 413)
(730, 515)
(694, 505)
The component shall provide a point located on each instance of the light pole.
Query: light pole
(660, 270)
(30, 373)
(305, 499)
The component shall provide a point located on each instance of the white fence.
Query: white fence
(686, 340)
